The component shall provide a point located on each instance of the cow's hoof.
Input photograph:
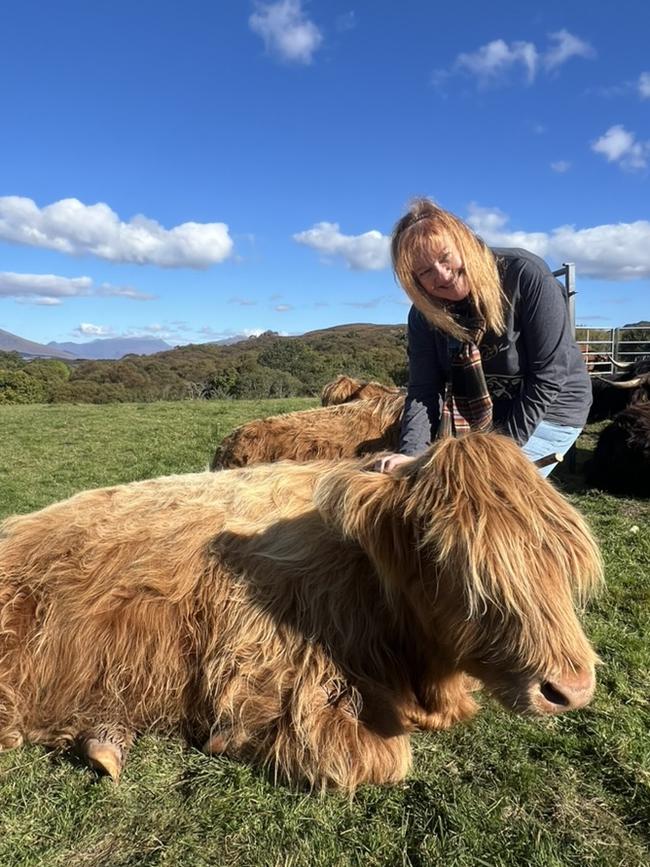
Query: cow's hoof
(105, 749)
(215, 745)
(105, 757)
(11, 741)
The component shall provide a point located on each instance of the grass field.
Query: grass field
(501, 790)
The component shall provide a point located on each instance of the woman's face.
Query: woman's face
(441, 274)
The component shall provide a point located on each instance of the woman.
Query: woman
(489, 341)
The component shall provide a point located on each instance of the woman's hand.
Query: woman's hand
(388, 463)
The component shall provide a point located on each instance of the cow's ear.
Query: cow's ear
(368, 508)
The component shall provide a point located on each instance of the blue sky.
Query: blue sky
(201, 169)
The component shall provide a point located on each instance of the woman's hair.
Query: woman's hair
(415, 235)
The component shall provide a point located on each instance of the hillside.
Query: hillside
(259, 367)
(13, 343)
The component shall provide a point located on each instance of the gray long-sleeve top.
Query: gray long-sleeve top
(534, 371)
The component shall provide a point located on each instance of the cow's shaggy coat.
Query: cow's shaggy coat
(309, 616)
(612, 393)
(346, 388)
(343, 431)
(621, 460)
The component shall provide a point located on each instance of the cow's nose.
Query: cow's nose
(569, 692)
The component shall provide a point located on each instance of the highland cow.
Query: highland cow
(614, 392)
(305, 616)
(345, 388)
(342, 431)
(621, 460)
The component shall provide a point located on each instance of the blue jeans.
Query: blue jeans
(548, 438)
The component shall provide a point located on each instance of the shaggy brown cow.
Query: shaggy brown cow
(345, 388)
(343, 431)
(308, 616)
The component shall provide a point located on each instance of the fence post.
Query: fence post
(568, 272)
(571, 293)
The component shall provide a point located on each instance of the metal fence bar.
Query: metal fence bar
(568, 272)
(611, 342)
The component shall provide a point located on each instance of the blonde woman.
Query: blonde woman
(489, 341)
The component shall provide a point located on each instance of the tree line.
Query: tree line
(260, 367)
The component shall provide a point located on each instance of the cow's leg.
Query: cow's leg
(372, 758)
(331, 749)
(444, 703)
(11, 722)
(105, 748)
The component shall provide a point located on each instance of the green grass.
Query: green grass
(501, 790)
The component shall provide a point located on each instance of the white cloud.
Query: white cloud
(155, 328)
(565, 46)
(105, 289)
(494, 62)
(39, 302)
(618, 251)
(491, 61)
(213, 334)
(282, 308)
(87, 329)
(561, 166)
(644, 85)
(371, 304)
(70, 226)
(90, 329)
(618, 145)
(243, 302)
(286, 31)
(367, 252)
(51, 289)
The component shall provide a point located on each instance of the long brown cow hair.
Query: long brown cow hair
(342, 431)
(346, 388)
(309, 616)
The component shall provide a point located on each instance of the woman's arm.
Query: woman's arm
(426, 385)
(543, 320)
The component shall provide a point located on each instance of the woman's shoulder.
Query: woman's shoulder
(417, 320)
(516, 260)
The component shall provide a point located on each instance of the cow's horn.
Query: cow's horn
(630, 383)
(622, 365)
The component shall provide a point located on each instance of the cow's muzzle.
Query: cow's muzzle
(560, 694)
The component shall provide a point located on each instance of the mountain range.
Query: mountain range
(101, 348)
(117, 347)
(111, 347)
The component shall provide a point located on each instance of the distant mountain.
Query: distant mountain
(112, 347)
(642, 324)
(28, 348)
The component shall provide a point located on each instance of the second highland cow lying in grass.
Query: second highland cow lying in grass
(344, 388)
(305, 616)
(342, 431)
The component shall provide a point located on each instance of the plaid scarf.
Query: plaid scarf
(467, 404)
